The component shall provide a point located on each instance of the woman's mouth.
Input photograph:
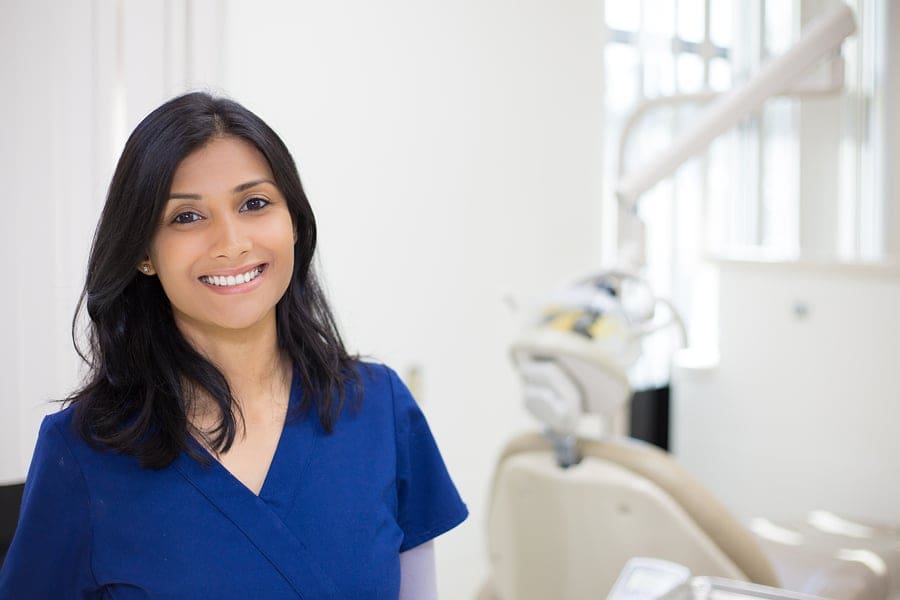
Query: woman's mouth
(233, 280)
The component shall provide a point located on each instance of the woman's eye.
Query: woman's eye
(185, 218)
(254, 204)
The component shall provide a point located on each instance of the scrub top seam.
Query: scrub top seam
(90, 503)
(390, 378)
(311, 413)
(292, 500)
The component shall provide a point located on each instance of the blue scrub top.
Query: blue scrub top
(333, 515)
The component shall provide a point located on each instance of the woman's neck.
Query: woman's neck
(257, 370)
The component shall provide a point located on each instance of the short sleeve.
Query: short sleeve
(428, 503)
(50, 553)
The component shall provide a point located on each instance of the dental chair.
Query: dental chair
(567, 511)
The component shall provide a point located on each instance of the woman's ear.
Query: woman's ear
(146, 267)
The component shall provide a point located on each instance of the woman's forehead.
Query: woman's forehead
(219, 166)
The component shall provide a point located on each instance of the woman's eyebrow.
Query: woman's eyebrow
(185, 197)
(238, 189)
(250, 184)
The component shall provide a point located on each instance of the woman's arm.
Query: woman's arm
(417, 577)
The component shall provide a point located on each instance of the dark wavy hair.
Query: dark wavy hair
(143, 374)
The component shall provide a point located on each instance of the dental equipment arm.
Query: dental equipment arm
(822, 37)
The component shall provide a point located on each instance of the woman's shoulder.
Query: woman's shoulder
(59, 435)
(376, 389)
(380, 380)
(59, 451)
(374, 375)
(60, 423)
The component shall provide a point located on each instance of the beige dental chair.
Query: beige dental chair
(565, 532)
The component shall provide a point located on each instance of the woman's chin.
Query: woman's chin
(229, 326)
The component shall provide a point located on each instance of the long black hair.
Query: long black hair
(143, 374)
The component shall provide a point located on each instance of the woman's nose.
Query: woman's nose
(230, 240)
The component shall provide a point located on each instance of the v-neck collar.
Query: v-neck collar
(295, 447)
(293, 451)
(262, 517)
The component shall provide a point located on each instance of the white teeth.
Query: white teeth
(231, 280)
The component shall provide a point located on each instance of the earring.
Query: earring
(145, 268)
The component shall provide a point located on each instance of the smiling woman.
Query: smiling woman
(225, 444)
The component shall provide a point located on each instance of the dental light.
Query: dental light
(575, 358)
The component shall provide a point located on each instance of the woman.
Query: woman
(225, 444)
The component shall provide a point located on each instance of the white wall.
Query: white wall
(45, 163)
(800, 412)
(451, 151)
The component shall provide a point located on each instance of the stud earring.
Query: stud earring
(145, 268)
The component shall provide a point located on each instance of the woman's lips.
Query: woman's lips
(242, 281)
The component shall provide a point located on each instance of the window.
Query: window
(802, 179)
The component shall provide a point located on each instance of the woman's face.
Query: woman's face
(224, 249)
